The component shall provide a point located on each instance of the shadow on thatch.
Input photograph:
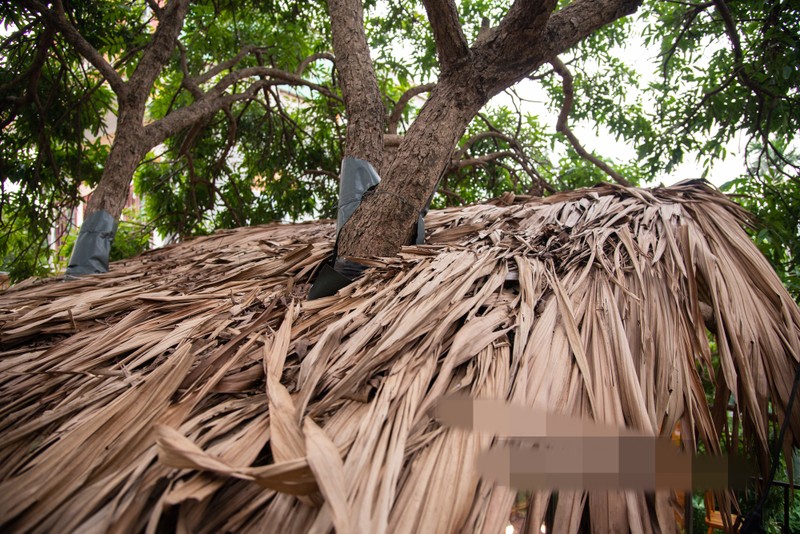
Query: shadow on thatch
(278, 414)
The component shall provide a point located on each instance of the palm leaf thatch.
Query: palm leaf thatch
(194, 388)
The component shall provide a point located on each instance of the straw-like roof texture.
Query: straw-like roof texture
(195, 389)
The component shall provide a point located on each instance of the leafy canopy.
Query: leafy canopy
(719, 70)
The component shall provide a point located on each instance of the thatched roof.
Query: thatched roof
(265, 405)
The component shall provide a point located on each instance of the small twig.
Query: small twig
(321, 172)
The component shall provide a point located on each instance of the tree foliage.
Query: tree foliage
(723, 69)
(51, 111)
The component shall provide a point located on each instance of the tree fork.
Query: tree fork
(527, 37)
(386, 220)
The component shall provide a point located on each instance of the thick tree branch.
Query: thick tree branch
(160, 48)
(451, 45)
(572, 24)
(562, 127)
(397, 111)
(362, 97)
(58, 18)
(521, 26)
(392, 140)
(529, 36)
(215, 99)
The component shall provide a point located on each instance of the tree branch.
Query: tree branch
(43, 45)
(458, 198)
(392, 140)
(738, 57)
(281, 76)
(233, 126)
(157, 10)
(397, 111)
(451, 45)
(321, 172)
(362, 97)
(572, 24)
(521, 26)
(160, 48)
(562, 127)
(517, 153)
(188, 82)
(479, 137)
(530, 36)
(479, 161)
(215, 100)
(31, 75)
(225, 65)
(312, 58)
(58, 19)
(688, 19)
(179, 119)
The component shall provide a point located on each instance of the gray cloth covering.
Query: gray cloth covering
(356, 178)
(90, 254)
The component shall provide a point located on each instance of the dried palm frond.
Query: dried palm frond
(195, 388)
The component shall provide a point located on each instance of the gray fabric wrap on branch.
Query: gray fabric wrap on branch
(93, 246)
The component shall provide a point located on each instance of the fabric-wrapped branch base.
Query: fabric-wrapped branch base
(193, 388)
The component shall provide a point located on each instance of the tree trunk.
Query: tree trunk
(91, 251)
(127, 151)
(387, 219)
(93, 245)
(528, 36)
(365, 111)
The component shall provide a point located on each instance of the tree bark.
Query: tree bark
(127, 150)
(362, 97)
(388, 218)
(130, 146)
(529, 36)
